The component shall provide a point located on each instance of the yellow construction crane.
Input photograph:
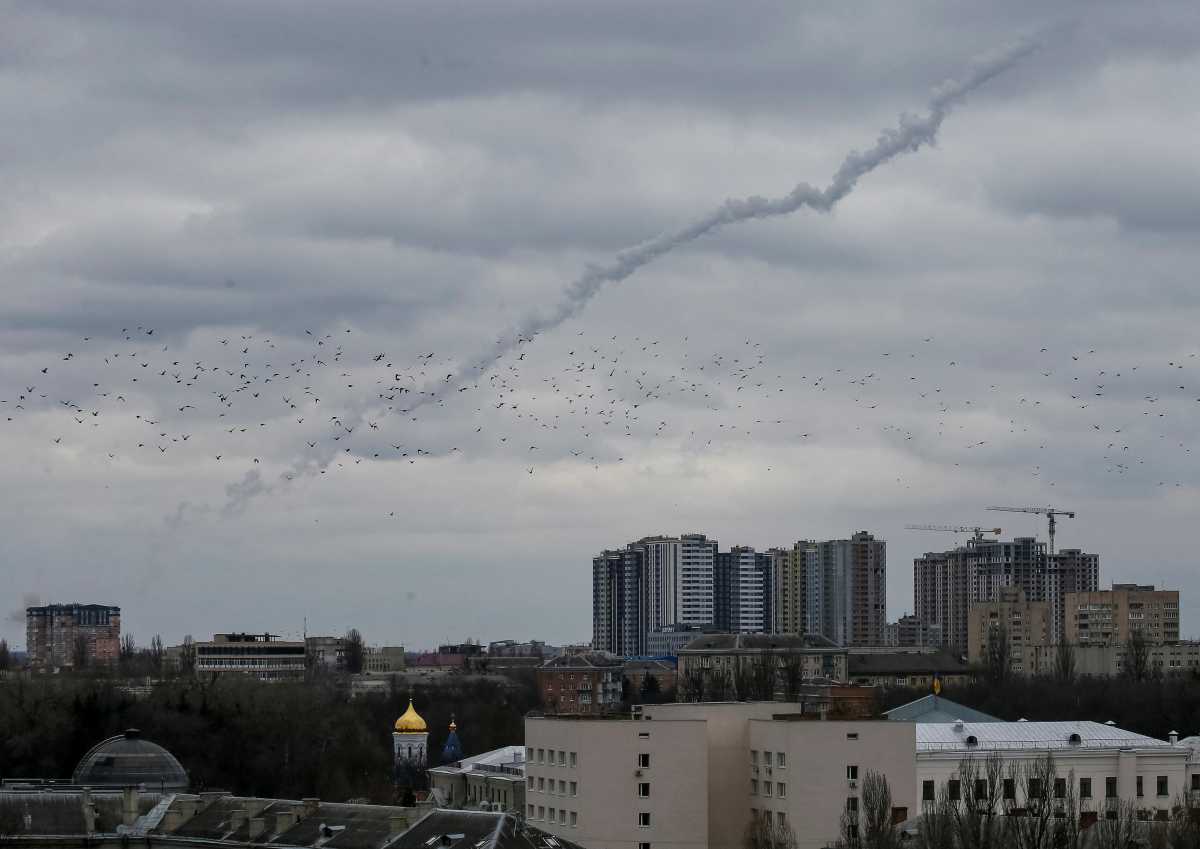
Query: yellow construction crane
(1048, 512)
(958, 529)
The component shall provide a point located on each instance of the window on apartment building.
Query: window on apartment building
(643, 819)
(574, 819)
(754, 757)
(644, 789)
(529, 753)
(927, 791)
(541, 756)
(954, 789)
(767, 788)
(1139, 787)
(753, 786)
(574, 788)
(562, 787)
(1034, 790)
(644, 760)
(766, 758)
(541, 784)
(1010, 788)
(1110, 787)
(643, 846)
(851, 735)
(562, 816)
(541, 812)
(852, 804)
(781, 819)
(645, 735)
(781, 790)
(852, 772)
(1195, 781)
(531, 811)
(781, 760)
(1085, 788)
(551, 812)
(530, 780)
(562, 758)
(1161, 785)
(573, 760)
(1060, 788)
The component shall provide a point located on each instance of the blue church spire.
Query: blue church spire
(452, 751)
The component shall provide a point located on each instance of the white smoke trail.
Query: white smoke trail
(910, 134)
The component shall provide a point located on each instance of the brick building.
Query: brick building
(63, 636)
(588, 683)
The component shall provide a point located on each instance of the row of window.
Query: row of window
(563, 758)
(564, 788)
(561, 816)
(1034, 788)
(777, 789)
(778, 758)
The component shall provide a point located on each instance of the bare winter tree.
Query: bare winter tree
(1118, 828)
(767, 832)
(353, 651)
(792, 671)
(975, 815)
(156, 654)
(762, 677)
(1031, 822)
(1183, 830)
(1137, 657)
(692, 681)
(187, 655)
(878, 830)
(937, 827)
(5, 656)
(1064, 663)
(997, 660)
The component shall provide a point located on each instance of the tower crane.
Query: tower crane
(958, 529)
(1048, 512)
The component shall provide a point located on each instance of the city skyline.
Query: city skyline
(360, 207)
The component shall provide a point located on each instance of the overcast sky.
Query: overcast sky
(250, 181)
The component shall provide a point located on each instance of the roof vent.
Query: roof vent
(1074, 739)
(1111, 724)
(132, 733)
(972, 741)
(1022, 719)
(958, 725)
(1173, 737)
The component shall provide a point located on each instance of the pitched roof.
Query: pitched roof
(475, 830)
(933, 708)
(938, 736)
(732, 642)
(906, 663)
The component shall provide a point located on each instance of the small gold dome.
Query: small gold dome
(411, 722)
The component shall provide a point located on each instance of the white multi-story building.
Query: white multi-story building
(692, 775)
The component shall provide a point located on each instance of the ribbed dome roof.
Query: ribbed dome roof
(127, 760)
(411, 722)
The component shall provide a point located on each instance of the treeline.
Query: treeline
(1154, 706)
(283, 740)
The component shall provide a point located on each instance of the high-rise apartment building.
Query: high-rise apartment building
(835, 588)
(651, 585)
(947, 583)
(1111, 617)
(60, 636)
(741, 591)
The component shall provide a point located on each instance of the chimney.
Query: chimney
(237, 818)
(257, 826)
(311, 804)
(398, 824)
(129, 805)
(284, 820)
(1173, 737)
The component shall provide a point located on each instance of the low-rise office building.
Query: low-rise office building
(1025, 625)
(263, 656)
(587, 684)
(495, 779)
(1104, 617)
(795, 658)
(915, 668)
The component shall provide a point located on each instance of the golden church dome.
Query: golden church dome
(411, 722)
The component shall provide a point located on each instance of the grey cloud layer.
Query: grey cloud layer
(424, 175)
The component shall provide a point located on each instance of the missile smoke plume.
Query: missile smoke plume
(908, 136)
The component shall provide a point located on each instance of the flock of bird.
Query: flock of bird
(323, 402)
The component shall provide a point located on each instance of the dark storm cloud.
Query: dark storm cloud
(425, 174)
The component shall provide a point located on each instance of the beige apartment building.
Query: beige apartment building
(1026, 624)
(692, 775)
(1111, 616)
